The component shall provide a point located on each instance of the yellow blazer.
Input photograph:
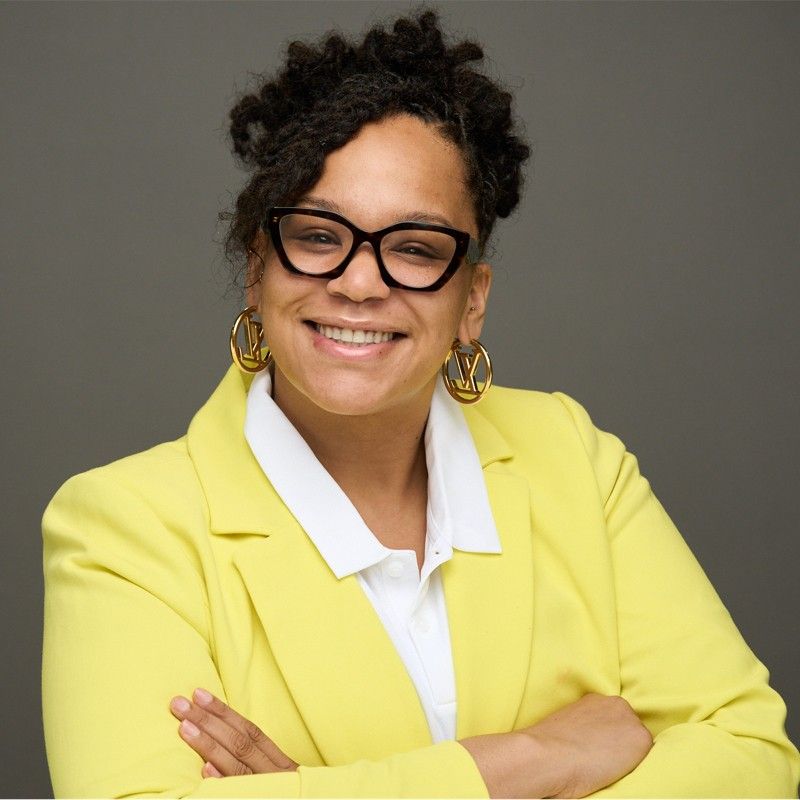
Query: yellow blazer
(180, 567)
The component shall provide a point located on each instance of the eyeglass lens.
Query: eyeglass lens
(414, 257)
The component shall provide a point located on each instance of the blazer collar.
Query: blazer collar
(240, 498)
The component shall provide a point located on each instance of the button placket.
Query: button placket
(433, 645)
(394, 569)
(437, 551)
(401, 583)
(423, 624)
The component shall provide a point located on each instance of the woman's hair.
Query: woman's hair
(325, 92)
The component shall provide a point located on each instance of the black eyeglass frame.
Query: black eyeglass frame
(465, 245)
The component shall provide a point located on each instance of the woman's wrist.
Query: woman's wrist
(513, 764)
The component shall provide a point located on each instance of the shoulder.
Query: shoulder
(147, 501)
(167, 477)
(163, 471)
(534, 405)
(518, 413)
(553, 425)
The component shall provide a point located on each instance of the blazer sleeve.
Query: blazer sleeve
(718, 726)
(126, 627)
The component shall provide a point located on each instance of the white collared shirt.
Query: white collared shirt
(409, 603)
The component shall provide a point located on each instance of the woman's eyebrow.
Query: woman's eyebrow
(320, 202)
(405, 216)
(426, 216)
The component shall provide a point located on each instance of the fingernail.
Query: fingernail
(189, 728)
(203, 697)
(212, 771)
(180, 704)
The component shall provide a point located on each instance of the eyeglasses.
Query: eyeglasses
(418, 256)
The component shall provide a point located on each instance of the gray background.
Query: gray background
(651, 271)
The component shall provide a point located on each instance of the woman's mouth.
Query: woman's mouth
(351, 336)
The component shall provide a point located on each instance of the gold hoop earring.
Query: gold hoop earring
(465, 388)
(252, 360)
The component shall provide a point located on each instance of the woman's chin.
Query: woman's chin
(356, 395)
(356, 400)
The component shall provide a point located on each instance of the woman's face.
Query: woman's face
(391, 171)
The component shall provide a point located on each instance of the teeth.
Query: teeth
(356, 338)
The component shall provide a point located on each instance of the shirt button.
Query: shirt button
(394, 569)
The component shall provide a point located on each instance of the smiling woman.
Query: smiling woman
(350, 578)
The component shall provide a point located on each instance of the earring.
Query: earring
(252, 360)
(464, 388)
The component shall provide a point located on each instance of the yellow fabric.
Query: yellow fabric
(180, 567)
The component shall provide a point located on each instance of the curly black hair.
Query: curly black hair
(326, 92)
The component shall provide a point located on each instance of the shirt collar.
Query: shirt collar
(458, 503)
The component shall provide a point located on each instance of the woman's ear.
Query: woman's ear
(255, 268)
(474, 313)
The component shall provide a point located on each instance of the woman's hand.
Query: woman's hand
(228, 743)
(573, 752)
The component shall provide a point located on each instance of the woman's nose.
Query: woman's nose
(361, 279)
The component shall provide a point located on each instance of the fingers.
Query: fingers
(212, 752)
(227, 742)
(239, 723)
(210, 771)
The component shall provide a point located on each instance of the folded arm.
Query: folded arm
(685, 669)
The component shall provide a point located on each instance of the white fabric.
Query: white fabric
(409, 603)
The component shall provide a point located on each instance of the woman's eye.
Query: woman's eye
(415, 250)
(318, 237)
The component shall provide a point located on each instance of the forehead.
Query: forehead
(394, 168)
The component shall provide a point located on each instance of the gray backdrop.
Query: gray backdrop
(651, 271)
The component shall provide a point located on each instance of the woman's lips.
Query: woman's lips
(354, 336)
(352, 342)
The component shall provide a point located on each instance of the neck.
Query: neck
(381, 453)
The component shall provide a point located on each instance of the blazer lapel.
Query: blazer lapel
(347, 679)
(240, 499)
(490, 599)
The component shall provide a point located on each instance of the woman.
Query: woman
(350, 577)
